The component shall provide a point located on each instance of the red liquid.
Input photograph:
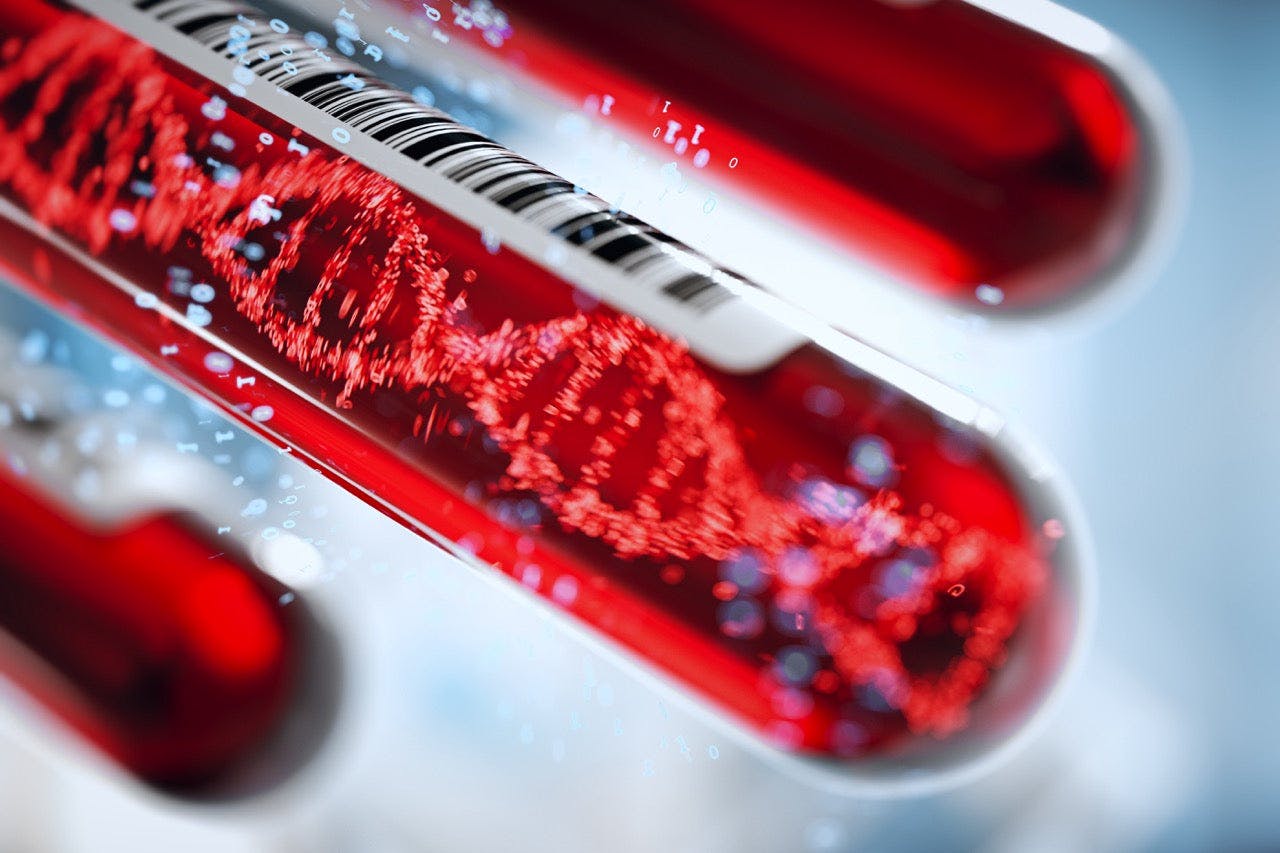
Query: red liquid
(818, 554)
(170, 655)
(955, 147)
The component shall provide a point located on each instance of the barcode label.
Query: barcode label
(606, 252)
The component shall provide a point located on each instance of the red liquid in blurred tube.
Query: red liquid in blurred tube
(169, 654)
(952, 145)
(820, 555)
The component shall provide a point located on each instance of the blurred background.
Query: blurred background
(475, 723)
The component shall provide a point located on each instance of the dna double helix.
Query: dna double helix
(85, 110)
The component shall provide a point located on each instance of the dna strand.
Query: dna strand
(86, 110)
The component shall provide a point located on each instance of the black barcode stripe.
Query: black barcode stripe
(697, 289)
(343, 90)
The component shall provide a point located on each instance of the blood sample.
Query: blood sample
(962, 145)
(170, 654)
(857, 570)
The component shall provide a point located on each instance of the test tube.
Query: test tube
(169, 654)
(123, 613)
(854, 566)
(1010, 157)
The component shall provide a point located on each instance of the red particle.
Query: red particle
(826, 681)
(725, 591)
(672, 573)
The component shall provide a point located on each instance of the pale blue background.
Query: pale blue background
(1166, 417)
(1178, 450)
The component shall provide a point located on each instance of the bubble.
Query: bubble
(797, 567)
(989, 294)
(219, 363)
(261, 414)
(424, 96)
(35, 347)
(254, 508)
(564, 591)
(227, 177)
(823, 401)
(198, 315)
(871, 461)
(346, 29)
(828, 501)
(796, 665)
(531, 576)
(899, 578)
(215, 109)
(520, 513)
(291, 560)
(740, 619)
(116, 398)
(123, 221)
(745, 570)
